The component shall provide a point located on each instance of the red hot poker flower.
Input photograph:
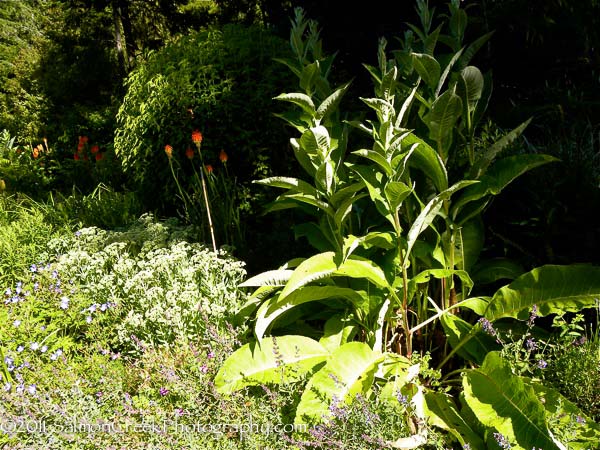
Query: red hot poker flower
(189, 153)
(209, 168)
(196, 137)
(95, 149)
(223, 156)
(169, 151)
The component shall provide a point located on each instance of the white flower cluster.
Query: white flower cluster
(164, 288)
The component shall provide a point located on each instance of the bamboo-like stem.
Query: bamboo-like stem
(206, 202)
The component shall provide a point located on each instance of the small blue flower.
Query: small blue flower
(44, 349)
(16, 323)
(7, 387)
(34, 346)
(103, 307)
(580, 419)
(20, 348)
(77, 233)
(530, 344)
(55, 274)
(33, 268)
(88, 319)
(32, 389)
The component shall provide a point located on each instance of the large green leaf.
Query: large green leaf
(271, 310)
(327, 264)
(553, 289)
(440, 120)
(443, 414)
(428, 68)
(500, 175)
(427, 160)
(302, 100)
(487, 157)
(289, 183)
(470, 242)
(269, 278)
(473, 83)
(276, 360)
(430, 211)
(348, 372)
(316, 141)
(330, 104)
(502, 401)
(338, 330)
(492, 270)
(377, 158)
(395, 193)
(373, 180)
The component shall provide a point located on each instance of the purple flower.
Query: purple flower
(77, 233)
(88, 319)
(44, 349)
(20, 348)
(203, 368)
(501, 440)
(210, 355)
(33, 268)
(16, 323)
(487, 326)
(32, 389)
(403, 399)
(163, 391)
(530, 344)
(34, 346)
(7, 387)
(542, 364)
(54, 356)
(580, 419)
(533, 315)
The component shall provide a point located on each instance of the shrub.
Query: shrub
(219, 81)
(164, 288)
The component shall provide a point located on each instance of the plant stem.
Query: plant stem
(210, 224)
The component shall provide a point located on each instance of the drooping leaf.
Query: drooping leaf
(377, 158)
(424, 277)
(269, 278)
(427, 160)
(428, 68)
(473, 83)
(316, 141)
(330, 104)
(395, 193)
(487, 157)
(324, 265)
(373, 180)
(492, 270)
(289, 183)
(348, 372)
(502, 401)
(430, 211)
(552, 288)
(500, 175)
(442, 413)
(441, 119)
(274, 308)
(338, 330)
(302, 100)
(470, 242)
(276, 360)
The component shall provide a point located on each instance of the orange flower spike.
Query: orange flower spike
(169, 151)
(197, 138)
(189, 153)
(95, 149)
(223, 156)
(209, 168)
(84, 139)
(76, 156)
(99, 156)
